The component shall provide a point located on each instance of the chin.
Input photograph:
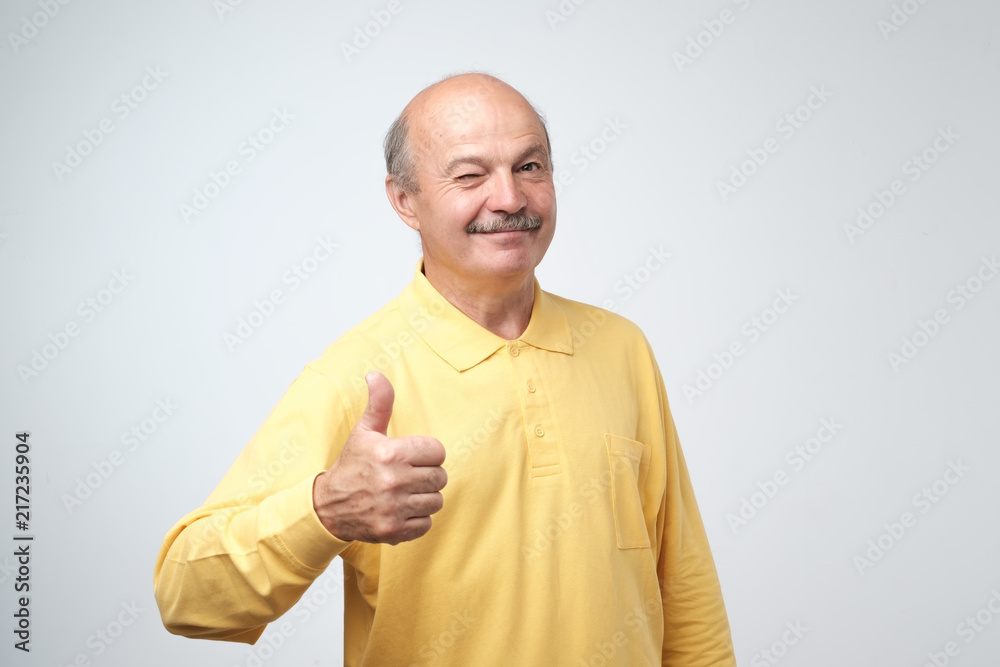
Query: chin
(513, 261)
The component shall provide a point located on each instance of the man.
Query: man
(533, 429)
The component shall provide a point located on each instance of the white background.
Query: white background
(889, 86)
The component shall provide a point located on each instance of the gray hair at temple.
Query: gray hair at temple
(399, 158)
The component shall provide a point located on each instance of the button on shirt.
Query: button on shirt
(569, 534)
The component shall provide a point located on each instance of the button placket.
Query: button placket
(543, 451)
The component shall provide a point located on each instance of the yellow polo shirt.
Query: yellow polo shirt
(569, 534)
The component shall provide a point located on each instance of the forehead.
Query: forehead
(490, 116)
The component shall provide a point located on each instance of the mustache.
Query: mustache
(510, 222)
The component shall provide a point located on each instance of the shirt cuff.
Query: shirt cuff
(292, 520)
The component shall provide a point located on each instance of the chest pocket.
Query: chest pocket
(629, 462)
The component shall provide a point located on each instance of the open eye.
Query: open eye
(532, 166)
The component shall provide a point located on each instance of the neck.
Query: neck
(501, 307)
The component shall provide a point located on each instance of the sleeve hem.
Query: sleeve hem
(302, 536)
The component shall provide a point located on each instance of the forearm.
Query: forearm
(226, 572)
(247, 555)
(696, 626)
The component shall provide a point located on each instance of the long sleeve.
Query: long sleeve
(246, 556)
(695, 625)
(559, 443)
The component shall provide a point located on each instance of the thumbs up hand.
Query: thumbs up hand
(381, 489)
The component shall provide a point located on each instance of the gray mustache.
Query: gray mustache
(512, 222)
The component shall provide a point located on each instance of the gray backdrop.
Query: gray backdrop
(795, 200)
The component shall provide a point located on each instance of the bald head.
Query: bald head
(444, 104)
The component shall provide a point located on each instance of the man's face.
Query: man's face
(486, 206)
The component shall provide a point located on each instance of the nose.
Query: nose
(506, 196)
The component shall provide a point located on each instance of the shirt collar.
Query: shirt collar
(462, 342)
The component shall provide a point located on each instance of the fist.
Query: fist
(381, 489)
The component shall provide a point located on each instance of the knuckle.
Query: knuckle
(383, 453)
(439, 479)
(438, 448)
(418, 530)
(388, 480)
(385, 529)
(435, 503)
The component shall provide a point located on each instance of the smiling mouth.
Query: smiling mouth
(516, 222)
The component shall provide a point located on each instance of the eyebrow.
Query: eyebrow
(536, 148)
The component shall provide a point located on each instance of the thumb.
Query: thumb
(379, 408)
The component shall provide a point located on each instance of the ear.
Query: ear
(402, 203)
